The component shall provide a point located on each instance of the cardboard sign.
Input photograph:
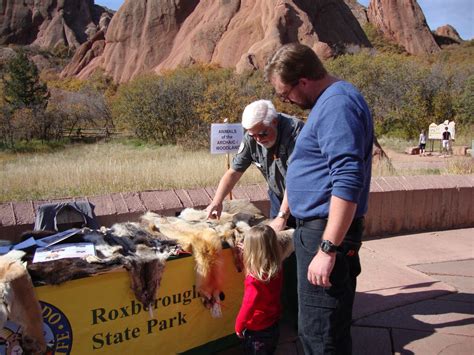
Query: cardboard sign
(100, 314)
(226, 138)
(436, 131)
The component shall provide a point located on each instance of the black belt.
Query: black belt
(356, 227)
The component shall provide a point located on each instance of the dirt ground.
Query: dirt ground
(432, 162)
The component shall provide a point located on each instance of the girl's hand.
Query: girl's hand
(240, 335)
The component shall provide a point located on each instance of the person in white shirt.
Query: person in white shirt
(422, 143)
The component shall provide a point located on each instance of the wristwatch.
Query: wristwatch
(327, 247)
(283, 214)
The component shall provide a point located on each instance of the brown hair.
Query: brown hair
(294, 61)
(262, 255)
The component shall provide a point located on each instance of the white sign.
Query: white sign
(436, 131)
(226, 137)
(64, 251)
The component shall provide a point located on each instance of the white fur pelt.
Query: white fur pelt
(203, 237)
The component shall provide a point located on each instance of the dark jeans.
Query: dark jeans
(325, 315)
(289, 295)
(263, 341)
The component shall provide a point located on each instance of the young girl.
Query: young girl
(257, 321)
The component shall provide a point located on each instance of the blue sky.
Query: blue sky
(457, 13)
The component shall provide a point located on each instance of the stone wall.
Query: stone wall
(397, 204)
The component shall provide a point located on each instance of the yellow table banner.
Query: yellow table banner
(100, 314)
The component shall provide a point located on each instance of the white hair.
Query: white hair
(258, 111)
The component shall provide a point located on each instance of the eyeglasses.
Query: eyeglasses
(284, 96)
(259, 135)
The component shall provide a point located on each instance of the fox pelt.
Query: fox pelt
(203, 237)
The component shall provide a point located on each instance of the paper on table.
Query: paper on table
(64, 251)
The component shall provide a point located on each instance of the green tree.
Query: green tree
(465, 107)
(22, 85)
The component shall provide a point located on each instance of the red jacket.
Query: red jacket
(261, 305)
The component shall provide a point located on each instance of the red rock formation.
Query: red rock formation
(359, 11)
(87, 52)
(49, 23)
(403, 22)
(163, 34)
(447, 34)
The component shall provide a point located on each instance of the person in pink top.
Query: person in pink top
(257, 321)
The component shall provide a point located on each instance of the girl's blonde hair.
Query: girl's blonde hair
(261, 254)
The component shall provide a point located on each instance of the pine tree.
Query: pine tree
(22, 85)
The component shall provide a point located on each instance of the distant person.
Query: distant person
(257, 321)
(422, 143)
(446, 141)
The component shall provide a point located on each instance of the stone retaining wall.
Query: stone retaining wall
(397, 204)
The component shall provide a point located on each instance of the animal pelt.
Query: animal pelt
(204, 237)
(142, 252)
(205, 245)
(56, 272)
(146, 269)
(19, 304)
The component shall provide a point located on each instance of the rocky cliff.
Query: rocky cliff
(403, 22)
(446, 35)
(151, 36)
(359, 11)
(50, 23)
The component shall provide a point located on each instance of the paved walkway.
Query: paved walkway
(415, 296)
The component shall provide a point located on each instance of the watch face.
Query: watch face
(327, 246)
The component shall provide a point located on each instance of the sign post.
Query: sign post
(435, 131)
(226, 139)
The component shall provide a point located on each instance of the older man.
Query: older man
(268, 144)
(327, 186)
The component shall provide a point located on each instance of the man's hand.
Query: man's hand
(320, 269)
(214, 210)
(278, 224)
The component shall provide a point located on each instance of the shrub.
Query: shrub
(405, 95)
(154, 108)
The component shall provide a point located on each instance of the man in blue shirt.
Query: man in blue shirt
(327, 186)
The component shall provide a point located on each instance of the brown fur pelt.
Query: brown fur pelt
(56, 272)
(20, 305)
(146, 269)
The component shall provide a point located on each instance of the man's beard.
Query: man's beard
(306, 104)
(267, 145)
